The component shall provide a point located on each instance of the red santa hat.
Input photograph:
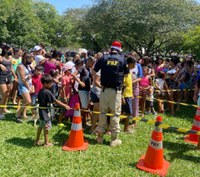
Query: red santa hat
(116, 45)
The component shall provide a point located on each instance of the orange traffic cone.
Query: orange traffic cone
(153, 161)
(76, 140)
(193, 138)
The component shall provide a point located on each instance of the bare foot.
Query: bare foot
(37, 143)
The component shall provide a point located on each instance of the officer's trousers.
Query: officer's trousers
(110, 99)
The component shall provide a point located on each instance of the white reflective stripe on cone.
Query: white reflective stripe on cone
(156, 144)
(76, 127)
(77, 113)
(198, 112)
(196, 123)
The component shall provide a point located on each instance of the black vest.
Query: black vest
(112, 71)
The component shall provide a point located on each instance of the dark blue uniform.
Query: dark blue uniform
(113, 68)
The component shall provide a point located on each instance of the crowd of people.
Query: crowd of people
(108, 81)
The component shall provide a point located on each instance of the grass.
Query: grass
(18, 156)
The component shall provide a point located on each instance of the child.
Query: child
(36, 81)
(67, 83)
(161, 86)
(128, 94)
(45, 97)
(145, 85)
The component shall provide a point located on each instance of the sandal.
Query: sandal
(19, 119)
(48, 145)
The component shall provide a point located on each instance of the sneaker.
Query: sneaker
(154, 113)
(115, 142)
(2, 117)
(19, 120)
(147, 112)
(99, 140)
(61, 125)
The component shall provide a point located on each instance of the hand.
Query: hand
(47, 126)
(67, 107)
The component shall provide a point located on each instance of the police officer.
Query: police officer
(113, 68)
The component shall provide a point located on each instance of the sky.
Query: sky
(62, 5)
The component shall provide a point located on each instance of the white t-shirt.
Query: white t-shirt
(94, 88)
(160, 82)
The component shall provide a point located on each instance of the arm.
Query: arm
(196, 91)
(78, 80)
(97, 81)
(13, 72)
(136, 80)
(62, 104)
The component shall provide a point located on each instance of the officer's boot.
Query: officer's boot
(100, 138)
(114, 140)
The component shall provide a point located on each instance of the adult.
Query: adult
(6, 72)
(84, 86)
(136, 77)
(25, 87)
(113, 68)
(160, 64)
(53, 62)
(16, 60)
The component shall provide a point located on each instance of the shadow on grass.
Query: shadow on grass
(63, 135)
(9, 117)
(23, 142)
(180, 150)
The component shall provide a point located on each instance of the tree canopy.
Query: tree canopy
(151, 26)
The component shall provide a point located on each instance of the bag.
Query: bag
(72, 102)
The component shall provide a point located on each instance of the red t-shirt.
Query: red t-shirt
(68, 82)
(36, 80)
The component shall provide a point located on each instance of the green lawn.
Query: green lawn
(18, 156)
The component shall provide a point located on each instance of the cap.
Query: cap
(37, 48)
(67, 66)
(38, 59)
(116, 45)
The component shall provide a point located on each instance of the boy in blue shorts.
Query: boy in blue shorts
(128, 94)
(45, 98)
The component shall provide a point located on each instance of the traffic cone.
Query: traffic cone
(76, 140)
(193, 138)
(153, 161)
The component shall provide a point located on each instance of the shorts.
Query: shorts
(84, 98)
(94, 97)
(34, 100)
(5, 79)
(127, 107)
(22, 89)
(45, 125)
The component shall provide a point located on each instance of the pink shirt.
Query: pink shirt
(159, 69)
(67, 82)
(145, 81)
(48, 66)
(36, 81)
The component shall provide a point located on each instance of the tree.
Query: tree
(140, 24)
(49, 21)
(18, 24)
(192, 41)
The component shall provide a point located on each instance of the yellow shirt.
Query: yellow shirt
(128, 90)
